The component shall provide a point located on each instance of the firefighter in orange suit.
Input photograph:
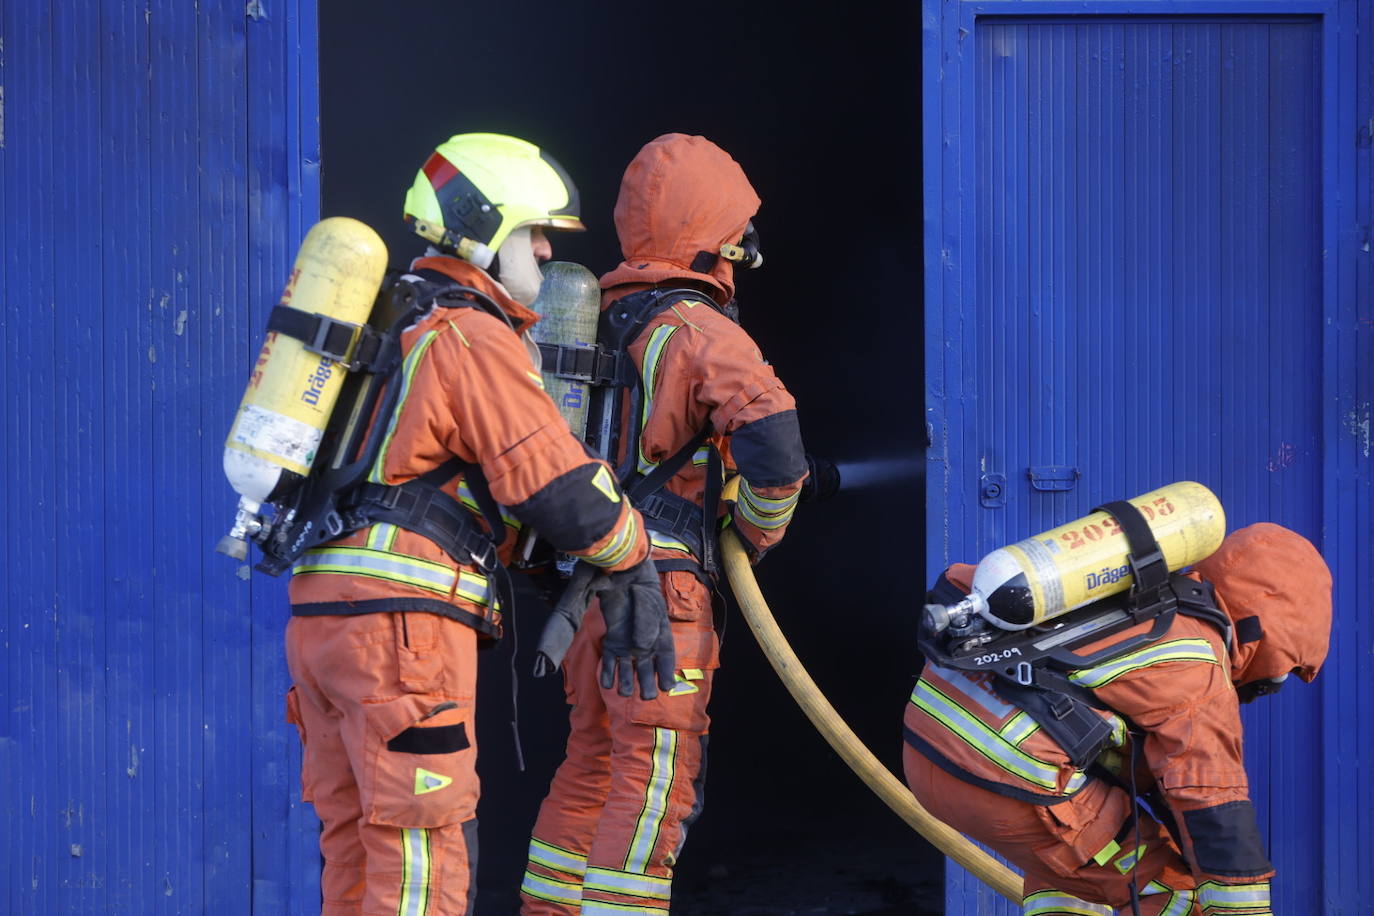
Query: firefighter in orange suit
(985, 768)
(383, 639)
(617, 813)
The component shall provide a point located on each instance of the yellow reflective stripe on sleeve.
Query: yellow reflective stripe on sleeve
(407, 377)
(1058, 903)
(987, 742)
(653, 351)
(415, 869)
(393, 567)
(536, 378)
(659, 786)
(764, 513)
(1212, 895)
(1176, 650)
(619, 547)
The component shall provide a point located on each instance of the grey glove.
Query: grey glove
(639, 638)
(566, 618)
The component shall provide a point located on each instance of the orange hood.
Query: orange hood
(1276, 589)
(681, 195)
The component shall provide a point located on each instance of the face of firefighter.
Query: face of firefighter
(520, 256)
(539, 242)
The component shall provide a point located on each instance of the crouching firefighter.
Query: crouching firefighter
(689, 397)
(1101, 752)
(460, 450)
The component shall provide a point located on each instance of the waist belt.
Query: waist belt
(423, 508)
(670, 514)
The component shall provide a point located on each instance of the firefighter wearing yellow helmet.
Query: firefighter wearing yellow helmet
(387, 616)
(480, 195)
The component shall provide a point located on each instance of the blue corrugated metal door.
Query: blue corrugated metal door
(156, 170)
(1138, 243)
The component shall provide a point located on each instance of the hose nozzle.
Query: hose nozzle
(822, 479)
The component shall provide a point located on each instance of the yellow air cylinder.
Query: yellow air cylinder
(292, 390)
(569, 303)
(1042, 577)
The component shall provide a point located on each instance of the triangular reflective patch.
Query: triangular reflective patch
(603, 482)
(425, 781)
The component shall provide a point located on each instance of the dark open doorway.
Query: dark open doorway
(823, 111)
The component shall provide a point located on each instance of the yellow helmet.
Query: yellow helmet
(476, 188)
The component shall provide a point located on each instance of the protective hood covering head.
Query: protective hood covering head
(681, 196)
(1276, 589)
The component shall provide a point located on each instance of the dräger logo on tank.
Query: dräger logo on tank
(1106, 576)
(316, 382)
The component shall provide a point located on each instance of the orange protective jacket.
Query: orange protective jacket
(471, 391)
(1177, 692)
(681, 198)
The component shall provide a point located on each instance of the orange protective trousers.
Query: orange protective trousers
(1060, 878)
(617, 812)
(384, 706)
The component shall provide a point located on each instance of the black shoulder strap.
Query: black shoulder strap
(1063, 710)
(445, 292)
(1148, 569)
(329, 503)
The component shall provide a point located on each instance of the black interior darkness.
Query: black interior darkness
(821, 106)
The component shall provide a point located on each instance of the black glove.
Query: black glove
(638, 633)
(566, 618)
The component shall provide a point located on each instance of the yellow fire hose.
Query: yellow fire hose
(841, 737)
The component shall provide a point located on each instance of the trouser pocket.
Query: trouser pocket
(421, 761)
(293, 715)
(683, 708)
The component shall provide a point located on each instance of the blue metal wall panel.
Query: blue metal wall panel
(1141, 233)
(158, 165)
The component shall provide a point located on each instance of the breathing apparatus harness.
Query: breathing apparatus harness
(335, 499)
(609, 368)
(1031, 667)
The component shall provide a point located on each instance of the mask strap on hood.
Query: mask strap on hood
(704, 262)
(1249, 629)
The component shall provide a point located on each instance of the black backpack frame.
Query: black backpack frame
(334, 499)
(1031, 667)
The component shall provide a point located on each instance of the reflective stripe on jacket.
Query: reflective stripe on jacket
(700, 368)
(469, 391)
(1176, 692)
